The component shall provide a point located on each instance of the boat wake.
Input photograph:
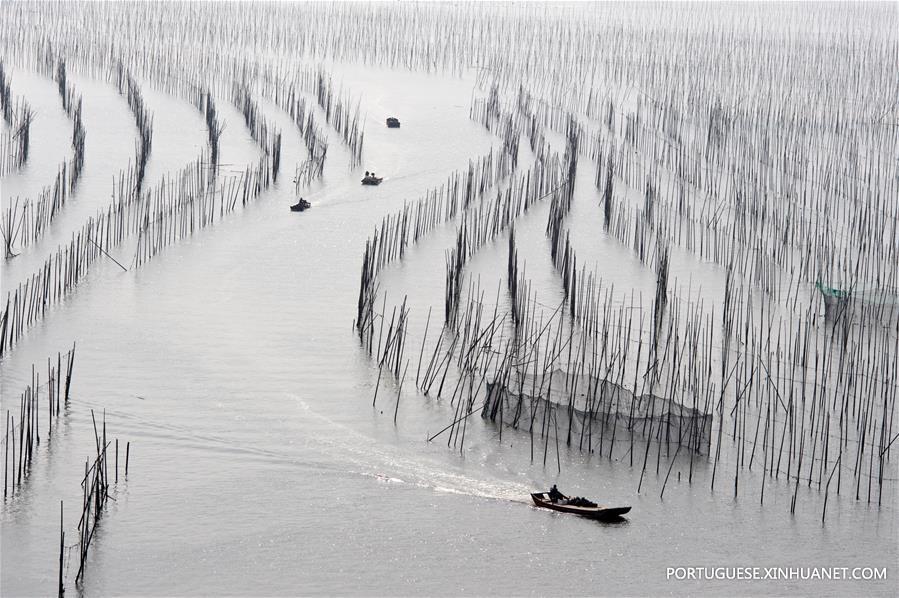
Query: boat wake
(386, 465)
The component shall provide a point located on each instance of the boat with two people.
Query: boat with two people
(371, 179)
(577, 505)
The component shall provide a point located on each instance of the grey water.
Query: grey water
(258, 465)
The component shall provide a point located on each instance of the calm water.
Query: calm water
(258, 464)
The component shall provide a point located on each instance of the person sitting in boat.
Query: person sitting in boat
(366, 174)
(555, 495)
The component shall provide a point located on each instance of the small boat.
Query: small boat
(372, 180)
(541, 499)
(300, 206)
(393, 123)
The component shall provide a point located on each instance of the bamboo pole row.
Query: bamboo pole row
(96, 485)
(214, 126)
(16, 137)
(15, 141)
(173, 210)
(72, 103)
(129, 88)
(301, 113)
(340, 115)
(265, 135)
(24, 221)
(398, 231)
(22, 439)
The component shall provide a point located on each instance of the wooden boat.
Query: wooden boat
(393, 123)
(541, 499)
(372, 180)
(300, 206)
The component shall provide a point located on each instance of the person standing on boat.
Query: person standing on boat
(554, 494)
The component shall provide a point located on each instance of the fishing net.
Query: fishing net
(879, 303)
(579, 404)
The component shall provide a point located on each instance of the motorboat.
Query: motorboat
(300, 206)
(541, 499)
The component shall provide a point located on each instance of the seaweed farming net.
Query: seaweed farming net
(587, 402)
(860, 302)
